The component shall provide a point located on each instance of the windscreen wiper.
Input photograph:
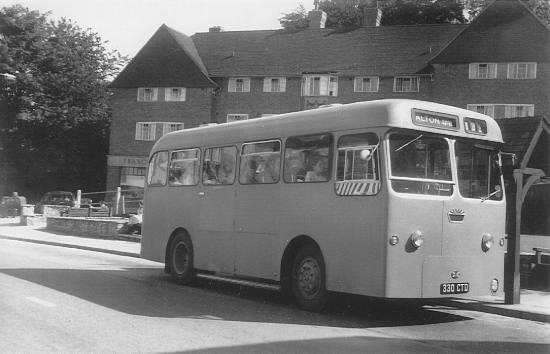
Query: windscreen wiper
(409, 143)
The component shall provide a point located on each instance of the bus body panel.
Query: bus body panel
(404, 262)
(243, 230)
(214, 235)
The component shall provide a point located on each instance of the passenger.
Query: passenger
(226, 171)
(317, 172)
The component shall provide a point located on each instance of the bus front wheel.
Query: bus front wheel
(181, 259)
(308, 279)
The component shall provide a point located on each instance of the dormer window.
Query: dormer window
(239, 84)
(319, 85)
(147, 94)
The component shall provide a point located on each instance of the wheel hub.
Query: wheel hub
(309, 276)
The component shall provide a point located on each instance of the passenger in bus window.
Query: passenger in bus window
(317, 172)
(294, 166)
(226, 173)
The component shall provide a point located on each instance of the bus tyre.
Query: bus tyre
(181, 259)
(308, 279)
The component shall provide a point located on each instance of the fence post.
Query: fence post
(123, 205)
(78, 198)
(117, 199)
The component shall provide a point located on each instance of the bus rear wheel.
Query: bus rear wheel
(308, 279)
(181, 259)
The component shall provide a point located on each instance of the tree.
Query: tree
(60, 100)
(349, 13)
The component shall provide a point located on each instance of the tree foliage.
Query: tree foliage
(60, 100)
(348, 13)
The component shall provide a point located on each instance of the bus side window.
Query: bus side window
(260, 162)
(156, 173)
(219, 165)
(307, 158)
(184, 167)
(357, 165)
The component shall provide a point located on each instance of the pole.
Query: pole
(512, 274)
(117, 199)
(78, 198)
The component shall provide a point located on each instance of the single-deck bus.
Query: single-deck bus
(391, 198)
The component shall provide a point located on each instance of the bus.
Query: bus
(396, 199)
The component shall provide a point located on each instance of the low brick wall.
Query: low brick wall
(91, 227)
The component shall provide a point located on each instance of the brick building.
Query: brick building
(499, 65)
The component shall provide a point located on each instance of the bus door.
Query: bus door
(217, 210)
(257, 210)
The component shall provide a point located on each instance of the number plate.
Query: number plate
(454, 288)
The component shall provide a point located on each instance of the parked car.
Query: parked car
(55, 198)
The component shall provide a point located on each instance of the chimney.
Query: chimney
(372, 14)
(317, 18)
(215, 29)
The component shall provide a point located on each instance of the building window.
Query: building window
(504, 110)
(366, 84)
(275, 84)
(132, 176)
(147, 94)
(236, 117)
(145, 131)
(483, 71)
(239, 84)
(519, 110)
(174, 94)
(319, 85)
(406, 84)
(486, 109)
(522, 71)
(171, 127)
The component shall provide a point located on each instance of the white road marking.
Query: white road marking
(40, 301)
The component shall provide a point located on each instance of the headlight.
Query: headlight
(417, 239)
(487, 242)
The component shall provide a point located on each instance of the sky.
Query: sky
(128, 24)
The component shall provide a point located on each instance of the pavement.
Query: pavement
(534, 305)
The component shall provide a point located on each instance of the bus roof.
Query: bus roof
(402, 113)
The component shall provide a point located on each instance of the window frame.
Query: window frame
(139, 136)
(167, 124)
(406, 77)
(352, 187)
(241, 155)
(232, 85)
(150, 171)
(329, 161)
(510, 71)
(327, 85)
(268, 84)
(236, 115)
(168, 97)
(196, 174)
(235, 166)
(141, 94)
(362, 88)
(474, 71)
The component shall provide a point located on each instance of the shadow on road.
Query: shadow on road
(148, 292)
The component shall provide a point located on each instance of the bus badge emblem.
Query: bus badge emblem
(456, 215)
(455, 274)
